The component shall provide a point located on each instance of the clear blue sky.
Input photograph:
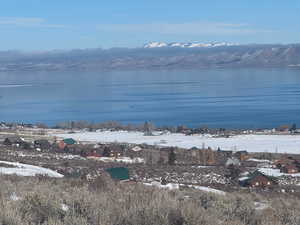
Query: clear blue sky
(66, 24)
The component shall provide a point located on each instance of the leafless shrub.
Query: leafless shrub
(105, 202)
(37, 209)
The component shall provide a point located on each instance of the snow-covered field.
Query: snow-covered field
(27, 170)
(251, 143)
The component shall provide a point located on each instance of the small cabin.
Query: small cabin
(118, 173)
(284, 162)
(93, 155)
(259, 180)
(291, 168)
(242, 155)
(115, 151)
(66, 142)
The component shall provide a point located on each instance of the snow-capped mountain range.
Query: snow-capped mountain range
(187, 45)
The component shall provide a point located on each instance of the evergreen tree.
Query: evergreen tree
(172, 157)
(233, 172)
(106, 152)
(294, 127)
(148, 128)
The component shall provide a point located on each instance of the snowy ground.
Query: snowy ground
(251, 143)
(120, 159)
(173, 186)
(208, 189)
(276, 172)
(27, 170)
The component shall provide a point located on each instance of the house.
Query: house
(42, 144)
(16, 142)
(284, 128)
(297, 131)
(290, 168)
(222, 156)
(204, 156)
(118, 173)
(134, 152)
(284, 161)
(93, 155)
(156, 156)
(116, 150)
(242, 155)
(66, 142)
(258, 179)
(13, 141)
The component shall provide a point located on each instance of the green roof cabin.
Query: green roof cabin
(69, 141)
(118, 173)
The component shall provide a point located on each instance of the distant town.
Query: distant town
(160, 165)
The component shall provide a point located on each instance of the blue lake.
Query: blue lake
(230, 98)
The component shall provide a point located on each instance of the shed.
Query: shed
(13, 141)
(42, 143)
(118, 173)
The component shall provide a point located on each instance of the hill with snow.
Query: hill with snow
(21, 169)
(156, 55)
(187, 45)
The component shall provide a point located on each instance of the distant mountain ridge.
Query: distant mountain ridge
(187, 44)
(219, 56)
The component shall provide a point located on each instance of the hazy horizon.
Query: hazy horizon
(41, 51)
(36, 25)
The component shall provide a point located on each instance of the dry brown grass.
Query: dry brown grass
(30, 201)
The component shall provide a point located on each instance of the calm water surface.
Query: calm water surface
(216, 98)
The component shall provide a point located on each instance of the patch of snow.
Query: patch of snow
(173, 186)
(203, 167)
(251, 142)
(72, 157)
(245, 173)
(14, 197)
(233, 161)
(64, 207)
(188, 45)
(120, 159)
(27, 170)
(136, 149)
(243, 178)
(276, 172)
(170, 186)
(129, 160)
(261, 205)
(259, 160)
(155, 45)
(208, 189)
